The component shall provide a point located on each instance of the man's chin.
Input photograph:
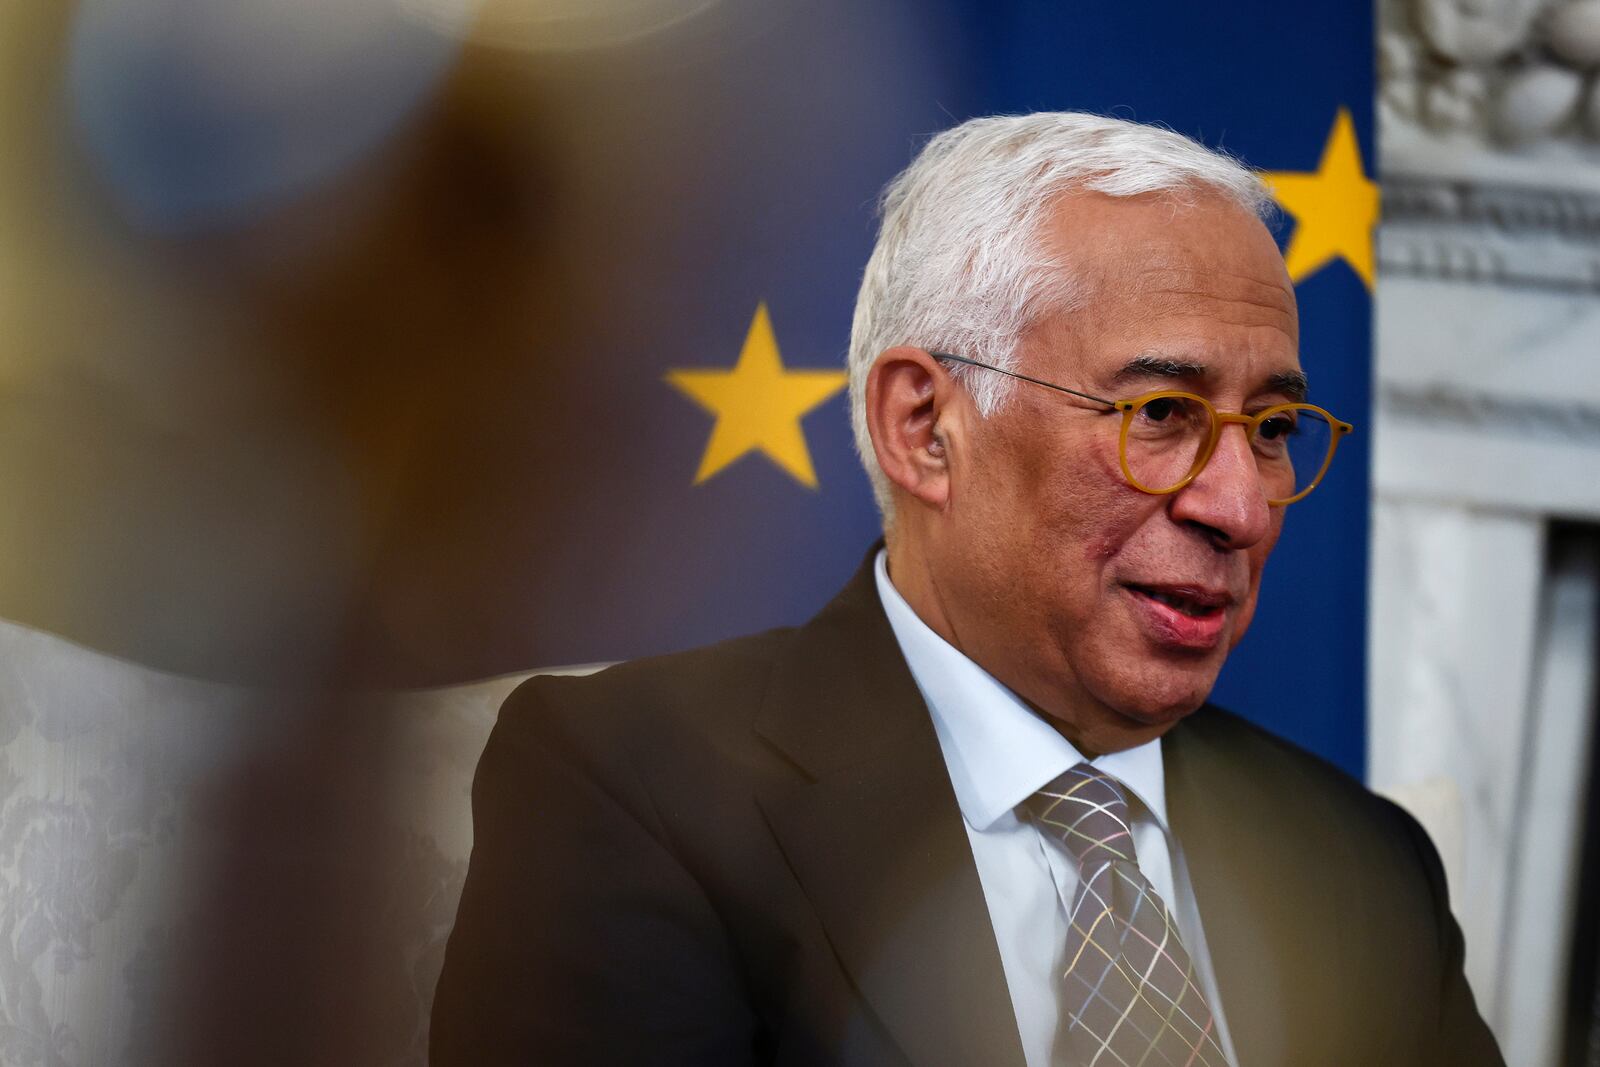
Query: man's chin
(1116, 702)
(1113, 727)
(1166, 715)
(1165, 700)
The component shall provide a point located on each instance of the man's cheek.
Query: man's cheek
(1241, 621)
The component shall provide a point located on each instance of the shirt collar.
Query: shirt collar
(998, 751)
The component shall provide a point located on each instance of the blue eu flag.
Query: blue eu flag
(699, 468)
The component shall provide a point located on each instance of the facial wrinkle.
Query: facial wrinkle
(949, 620)
(1205, 282)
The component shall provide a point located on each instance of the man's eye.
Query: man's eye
(1160, 409)
(1277, 427)
(1171, 414)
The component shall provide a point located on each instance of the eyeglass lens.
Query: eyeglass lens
(1167, 436)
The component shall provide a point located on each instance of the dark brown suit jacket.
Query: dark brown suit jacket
(751, 854)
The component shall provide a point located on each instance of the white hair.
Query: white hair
(960, 266)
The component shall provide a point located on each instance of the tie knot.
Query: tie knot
(1086, 809)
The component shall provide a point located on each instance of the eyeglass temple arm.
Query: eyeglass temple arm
(1023, 377)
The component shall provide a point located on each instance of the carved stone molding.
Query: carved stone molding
(1434, 406)
(1512, 209)
(1498, 234)
(1503, 73)
(1479, 259)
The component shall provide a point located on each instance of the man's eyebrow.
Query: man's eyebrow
(1292, 384)
(1153, 366)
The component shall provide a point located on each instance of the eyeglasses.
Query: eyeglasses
(1168, 437)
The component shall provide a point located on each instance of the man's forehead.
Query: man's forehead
(1231, 297)
(1159, 275)
(1158, 244)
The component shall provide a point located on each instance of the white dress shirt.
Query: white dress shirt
(998, 753)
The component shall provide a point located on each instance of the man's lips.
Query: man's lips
(1192, 600)
(1181, 615)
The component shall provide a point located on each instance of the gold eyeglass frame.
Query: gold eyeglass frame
(1338, 429)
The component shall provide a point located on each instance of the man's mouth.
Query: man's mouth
(1191, 601)
(1182, 617)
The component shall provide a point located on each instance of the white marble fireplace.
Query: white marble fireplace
(1486, 536)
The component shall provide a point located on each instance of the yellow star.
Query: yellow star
(758, 405)
(1335, 209)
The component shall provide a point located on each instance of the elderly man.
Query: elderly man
(975, 812)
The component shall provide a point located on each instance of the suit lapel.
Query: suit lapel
(1272, 924)
(1198, 804)
(877, 842)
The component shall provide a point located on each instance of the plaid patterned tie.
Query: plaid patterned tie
(1129, 995)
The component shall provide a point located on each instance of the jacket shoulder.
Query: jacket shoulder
(1250, 750)
(1295, 836)
(1287, 789)
(656, 706)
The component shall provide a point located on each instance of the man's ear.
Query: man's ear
(907, 393)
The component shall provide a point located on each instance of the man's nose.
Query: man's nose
(1227, 496)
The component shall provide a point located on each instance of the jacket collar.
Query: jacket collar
(876, 840)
